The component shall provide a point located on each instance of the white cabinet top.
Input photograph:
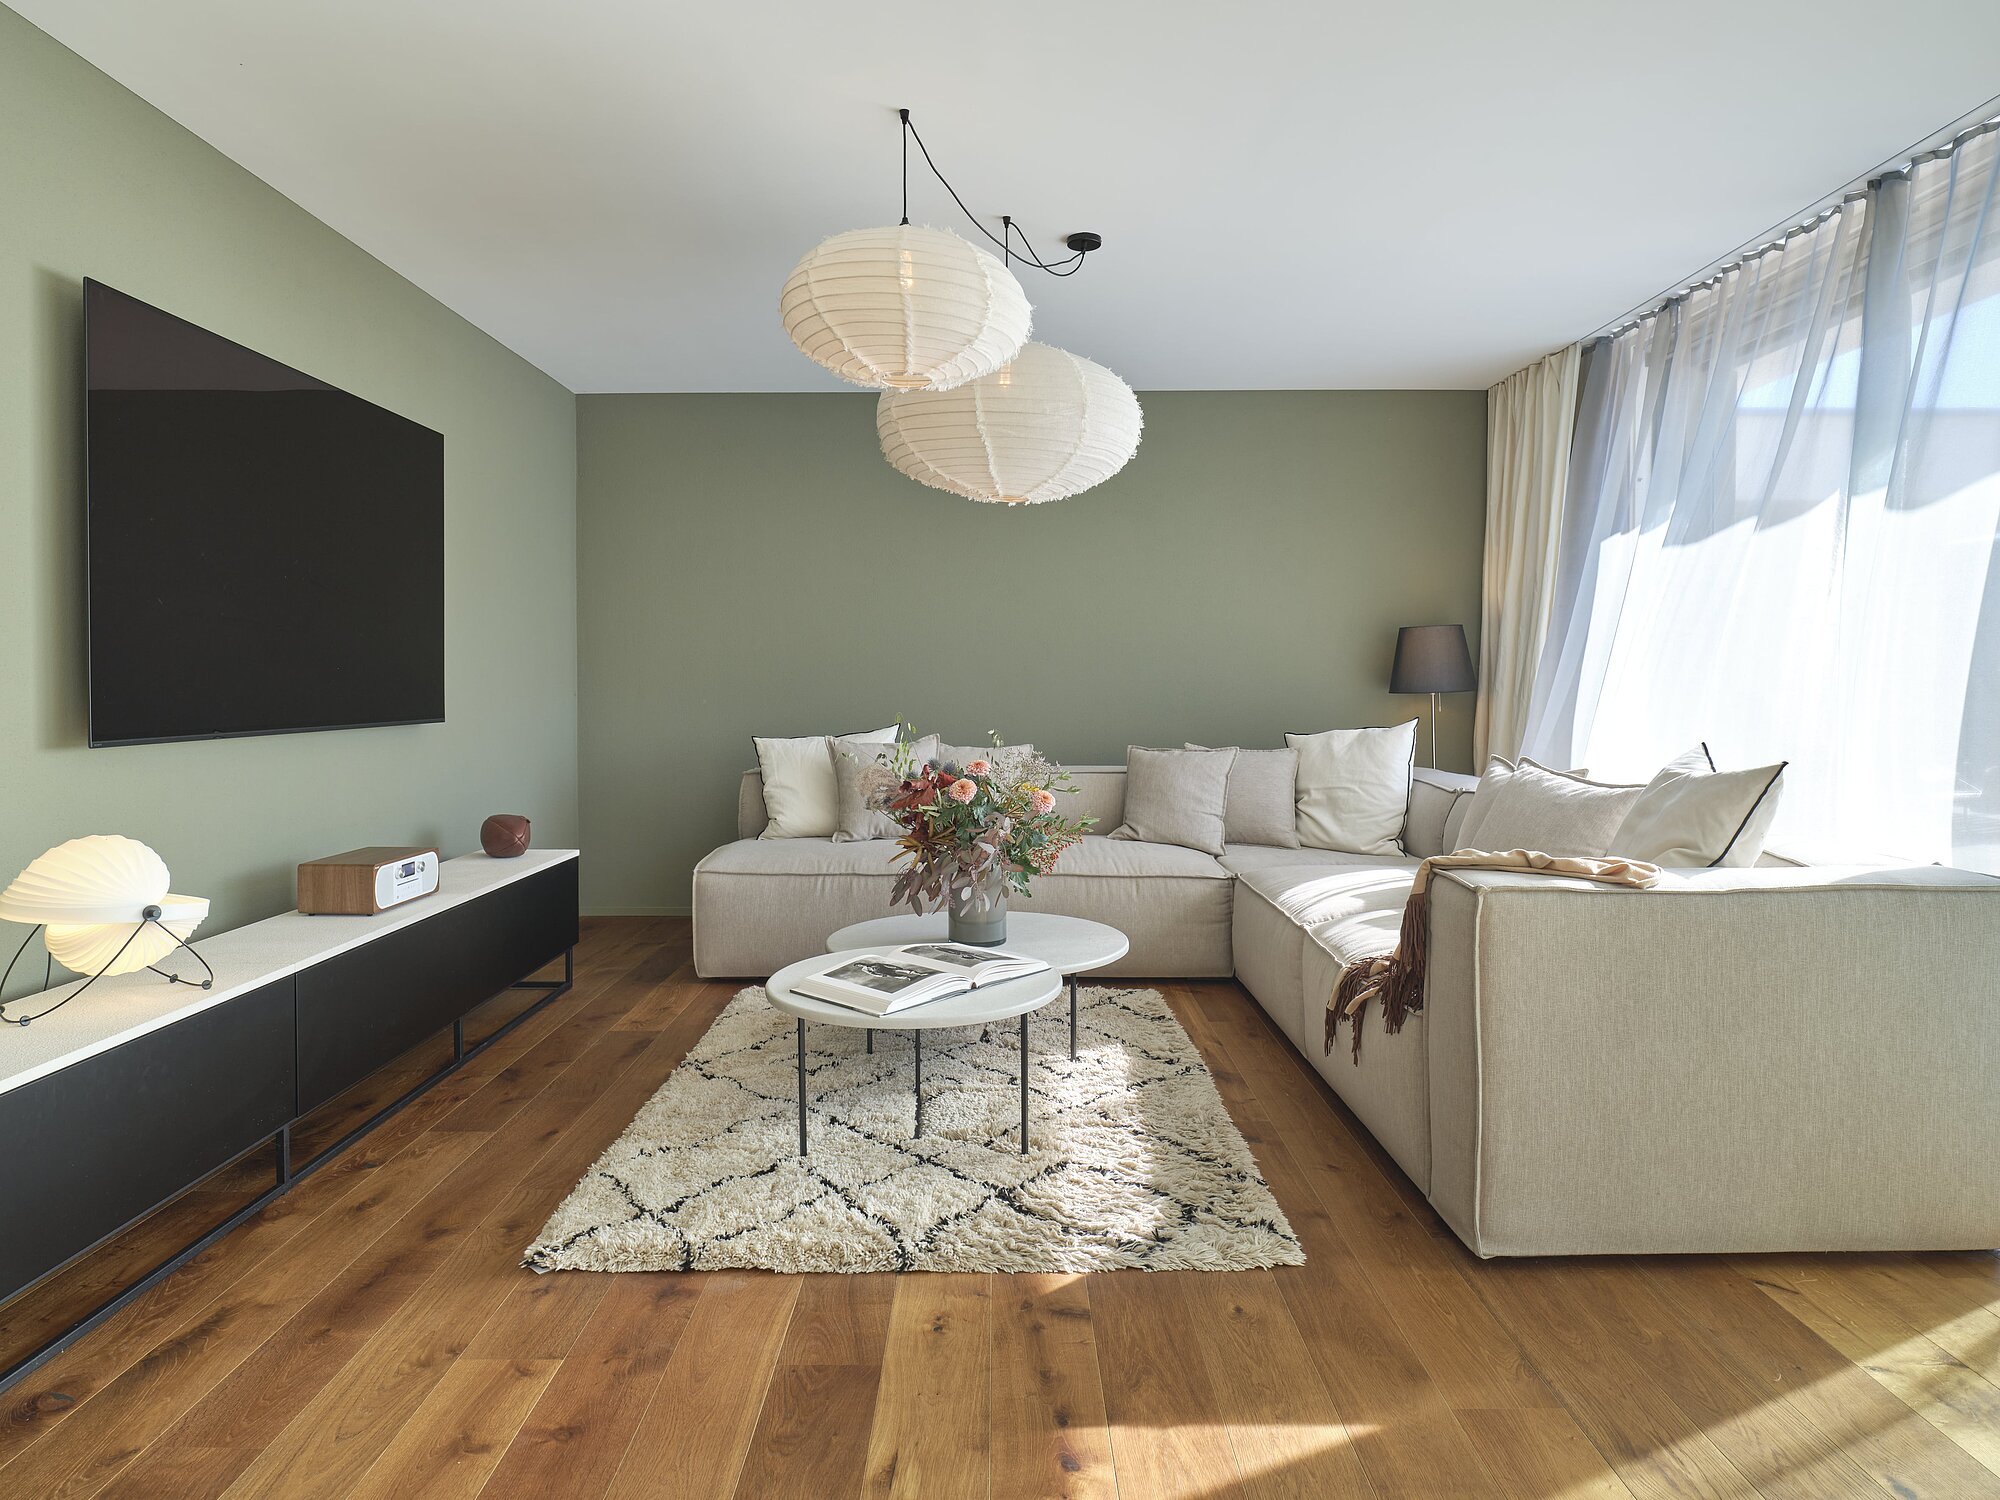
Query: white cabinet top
(116, 1010)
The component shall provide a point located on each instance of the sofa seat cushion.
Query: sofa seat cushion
(1245, 859)
(761, 904)
(863, 858)
(1136, 859)
(1333, 894)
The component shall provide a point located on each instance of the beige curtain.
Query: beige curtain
(1530, 417)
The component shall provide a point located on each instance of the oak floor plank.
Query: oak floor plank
(690, 1442)
(1167, 1433)
(1289, 1440)
(1540, 1453)
(454, 1440)
(1051, 1436)
(1905, 1455)
(932, 1428)
(1951, 1397)
(573, 1441)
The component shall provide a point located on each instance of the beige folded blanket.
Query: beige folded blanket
(1397, 977)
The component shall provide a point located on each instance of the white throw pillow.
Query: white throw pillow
(1694, 816)
(852, 759)
(1354, 787)
(1529, 806)
(801, 796)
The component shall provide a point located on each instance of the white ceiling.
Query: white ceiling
(1291, 194)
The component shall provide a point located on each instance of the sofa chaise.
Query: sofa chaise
(1776, 1058)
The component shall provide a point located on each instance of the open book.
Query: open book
(894, 979)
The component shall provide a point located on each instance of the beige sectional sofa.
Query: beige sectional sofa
(1777, 1058)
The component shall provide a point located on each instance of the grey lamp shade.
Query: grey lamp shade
(1432, 659)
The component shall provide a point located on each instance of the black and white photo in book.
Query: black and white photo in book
(898, 978)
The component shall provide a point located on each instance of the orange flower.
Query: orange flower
(962, 790)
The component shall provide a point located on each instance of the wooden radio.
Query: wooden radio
(362, 882)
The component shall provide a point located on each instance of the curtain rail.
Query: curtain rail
(1940, 143)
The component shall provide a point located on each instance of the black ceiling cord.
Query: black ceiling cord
(1081, 244)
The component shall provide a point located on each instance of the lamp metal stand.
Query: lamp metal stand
(1434, 731)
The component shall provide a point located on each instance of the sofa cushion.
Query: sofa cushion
(1692, 815)
(1243, 859)
(800, 794)
(1435, 796)
(1354, 787)
(1262, 801)
(852, 759)
(1313, 898)
(1529, 806)
(761, 904)
(1175, 797)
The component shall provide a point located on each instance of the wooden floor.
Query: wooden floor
(372, 1334)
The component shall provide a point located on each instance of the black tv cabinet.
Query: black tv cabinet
(120, 1109)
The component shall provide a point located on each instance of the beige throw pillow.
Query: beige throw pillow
(801, 797)
(851, 757)
(1176, 797)
(1529, 806)
(1354, 787)
(1694, 816)
(1261, 805)
(958, 755)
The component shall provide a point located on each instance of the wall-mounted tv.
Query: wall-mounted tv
(266, 552)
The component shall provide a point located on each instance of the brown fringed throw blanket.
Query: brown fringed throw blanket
(1397, 978)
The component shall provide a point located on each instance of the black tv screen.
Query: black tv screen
(266, 553)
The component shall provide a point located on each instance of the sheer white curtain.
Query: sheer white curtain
(1781, 525)
(1530, 417)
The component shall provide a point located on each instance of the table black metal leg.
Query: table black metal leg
(1072, 1018)
(871, 1041)
(918, 1038)
(1024, 1083)
(802, 1086)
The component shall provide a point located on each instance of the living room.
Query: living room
(1116, 751)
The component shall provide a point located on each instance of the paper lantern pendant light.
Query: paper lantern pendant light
(904, 308)
(1049, 425)
(102, 902)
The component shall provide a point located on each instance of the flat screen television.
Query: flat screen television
(266, 552)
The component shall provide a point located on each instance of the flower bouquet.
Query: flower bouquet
(971, 832)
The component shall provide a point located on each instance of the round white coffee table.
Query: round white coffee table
(980, 1007)
(1069, 945)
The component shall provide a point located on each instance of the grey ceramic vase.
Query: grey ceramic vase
(978, 917)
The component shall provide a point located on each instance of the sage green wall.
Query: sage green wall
(95, 182)
(749, 565)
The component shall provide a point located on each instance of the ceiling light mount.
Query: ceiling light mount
(1083, 242)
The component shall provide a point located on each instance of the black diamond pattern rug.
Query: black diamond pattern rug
(1133, 1161)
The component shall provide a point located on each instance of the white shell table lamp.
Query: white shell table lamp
(103, 906)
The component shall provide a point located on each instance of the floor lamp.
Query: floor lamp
(1432, 659)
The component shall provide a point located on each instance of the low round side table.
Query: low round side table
(1069, 945)
(983, 1006)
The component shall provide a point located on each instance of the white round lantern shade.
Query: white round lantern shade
(904, 308)
(91, 894)
(1048, 426)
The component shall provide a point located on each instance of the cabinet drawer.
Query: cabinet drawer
(359, 1009)
(101, 1143)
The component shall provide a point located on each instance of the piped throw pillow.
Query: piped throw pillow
(1176, 797)
(852, 758)
(801, 797)
(1529, 806)
(1354, 787)
(1692, 815)
(1261, 805)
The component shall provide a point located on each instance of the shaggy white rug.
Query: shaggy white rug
(1133, 1161)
